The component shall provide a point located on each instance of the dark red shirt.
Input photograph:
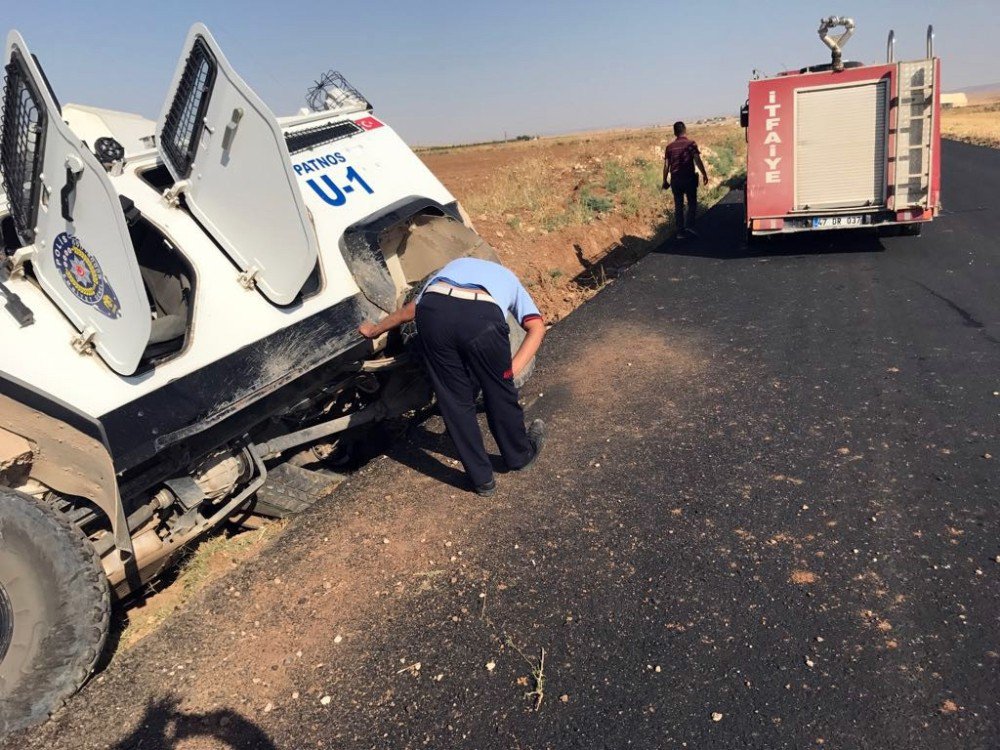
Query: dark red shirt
(680, 155)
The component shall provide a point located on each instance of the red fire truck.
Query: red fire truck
(844, 144)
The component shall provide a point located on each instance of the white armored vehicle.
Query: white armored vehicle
(179, 332)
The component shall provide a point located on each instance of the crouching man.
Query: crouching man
(461, 319)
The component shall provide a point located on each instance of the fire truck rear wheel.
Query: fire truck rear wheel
(54, 610)
(911, 230)
(755, 242)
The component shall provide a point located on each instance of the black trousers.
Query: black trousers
(685, 188)
(467, 347)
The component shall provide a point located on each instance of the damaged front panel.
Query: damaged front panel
(368, 249)
(353, 171)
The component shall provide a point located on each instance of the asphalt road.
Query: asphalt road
(766, 518)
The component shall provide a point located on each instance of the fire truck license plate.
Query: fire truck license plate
(837, 221)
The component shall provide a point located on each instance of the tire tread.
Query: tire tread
(62, 669)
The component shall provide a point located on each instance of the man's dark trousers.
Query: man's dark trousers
(467, 347)
(685, 187)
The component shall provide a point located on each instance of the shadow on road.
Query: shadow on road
(624, 253)
(722, 236)
(164, 726)
(417, 451)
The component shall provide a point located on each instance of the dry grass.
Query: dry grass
(572, 181)
(978, 124)
(523, 188)
(203, 563)
(566, 213)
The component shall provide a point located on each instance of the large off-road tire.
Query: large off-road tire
(54, 610)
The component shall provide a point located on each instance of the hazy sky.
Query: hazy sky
(453, 71)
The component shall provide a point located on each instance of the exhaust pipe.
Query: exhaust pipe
(836, 45)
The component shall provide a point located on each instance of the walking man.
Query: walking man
(679, 161)
(461, 319)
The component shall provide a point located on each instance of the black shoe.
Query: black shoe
(692, 233)
(487, 490)
(536, 436)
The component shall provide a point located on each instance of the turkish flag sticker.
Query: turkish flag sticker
(368, 123)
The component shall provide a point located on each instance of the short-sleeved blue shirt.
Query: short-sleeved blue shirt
(501, 284)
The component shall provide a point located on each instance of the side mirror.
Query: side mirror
(745, 115)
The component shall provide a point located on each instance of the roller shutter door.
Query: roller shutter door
(840, 138)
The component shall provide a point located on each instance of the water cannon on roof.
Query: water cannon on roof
(836, 44)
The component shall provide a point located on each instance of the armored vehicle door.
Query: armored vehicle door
(224, 148)
(68, 215)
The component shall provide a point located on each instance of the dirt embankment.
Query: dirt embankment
(567, 213)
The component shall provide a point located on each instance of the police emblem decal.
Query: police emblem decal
(83, 276)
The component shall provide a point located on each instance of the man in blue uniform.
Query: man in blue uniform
(461, 319)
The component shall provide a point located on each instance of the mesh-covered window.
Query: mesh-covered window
(182, 127)
(304, 139)
(22, 145)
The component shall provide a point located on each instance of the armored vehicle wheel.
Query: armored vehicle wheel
(54, 610)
